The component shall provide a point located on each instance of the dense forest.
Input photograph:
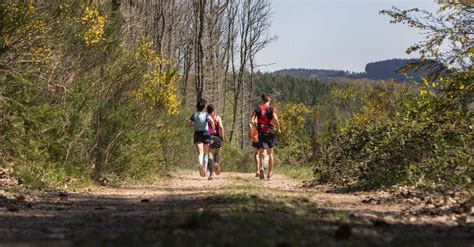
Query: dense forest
(382, 70)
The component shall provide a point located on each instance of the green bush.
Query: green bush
(397, 139)
(235, 160)
(79, 105)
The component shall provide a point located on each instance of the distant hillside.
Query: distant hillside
(383, 70)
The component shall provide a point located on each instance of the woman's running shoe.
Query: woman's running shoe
(269, 175)
(201, 171)
(262, 174)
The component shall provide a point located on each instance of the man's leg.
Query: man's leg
(270, 162)
(261, 156)
(256, 159)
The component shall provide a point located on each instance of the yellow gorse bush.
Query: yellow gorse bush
(24, 32)
(94, 22)
(292, 117)
(158, 89)
(19, 17)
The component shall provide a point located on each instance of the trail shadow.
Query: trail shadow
(197, 219)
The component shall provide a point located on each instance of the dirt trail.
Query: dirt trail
(366, 205)
(187, 204)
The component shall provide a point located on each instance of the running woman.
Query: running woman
(266, 118)
(201, 121)
(217, 137)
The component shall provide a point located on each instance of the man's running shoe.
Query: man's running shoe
(211, 176)
(269, 175)
(201, 171)
(262, 174)
(217, 169)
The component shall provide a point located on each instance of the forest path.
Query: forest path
(234, 209)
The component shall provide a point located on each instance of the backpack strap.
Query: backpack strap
(258, 111)
(269, 112)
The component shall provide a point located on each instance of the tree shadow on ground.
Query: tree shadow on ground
(197, 219)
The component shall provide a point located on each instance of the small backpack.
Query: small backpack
(268, 113)
(268, 117)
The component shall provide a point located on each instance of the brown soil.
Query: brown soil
(70, 218)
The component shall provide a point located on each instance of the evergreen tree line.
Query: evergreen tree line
(383, 70)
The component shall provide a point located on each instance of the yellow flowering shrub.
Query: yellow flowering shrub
(94, 23)
(294, 141)
(292, 117)
(23, 32)
(157, 89)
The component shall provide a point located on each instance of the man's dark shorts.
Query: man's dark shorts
(202, 137)
(216, 142)
(267, 141)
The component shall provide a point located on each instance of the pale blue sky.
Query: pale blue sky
(337, 34)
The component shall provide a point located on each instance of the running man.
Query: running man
(217, 137)
(266, 118)
(253, 136)
(201, 121)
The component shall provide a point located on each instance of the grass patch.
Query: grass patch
(300, 173)
(233, 159)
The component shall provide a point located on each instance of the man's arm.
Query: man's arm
(221, 128)
(276, 122)
(254, 120)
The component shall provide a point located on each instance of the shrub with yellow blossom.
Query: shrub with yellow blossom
(23, 33)
(403, 137)
(84, 113)
(294, 142)
(158, 87)
(293, 117)
(94, 23)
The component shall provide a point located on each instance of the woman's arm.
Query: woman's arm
(189, 124)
